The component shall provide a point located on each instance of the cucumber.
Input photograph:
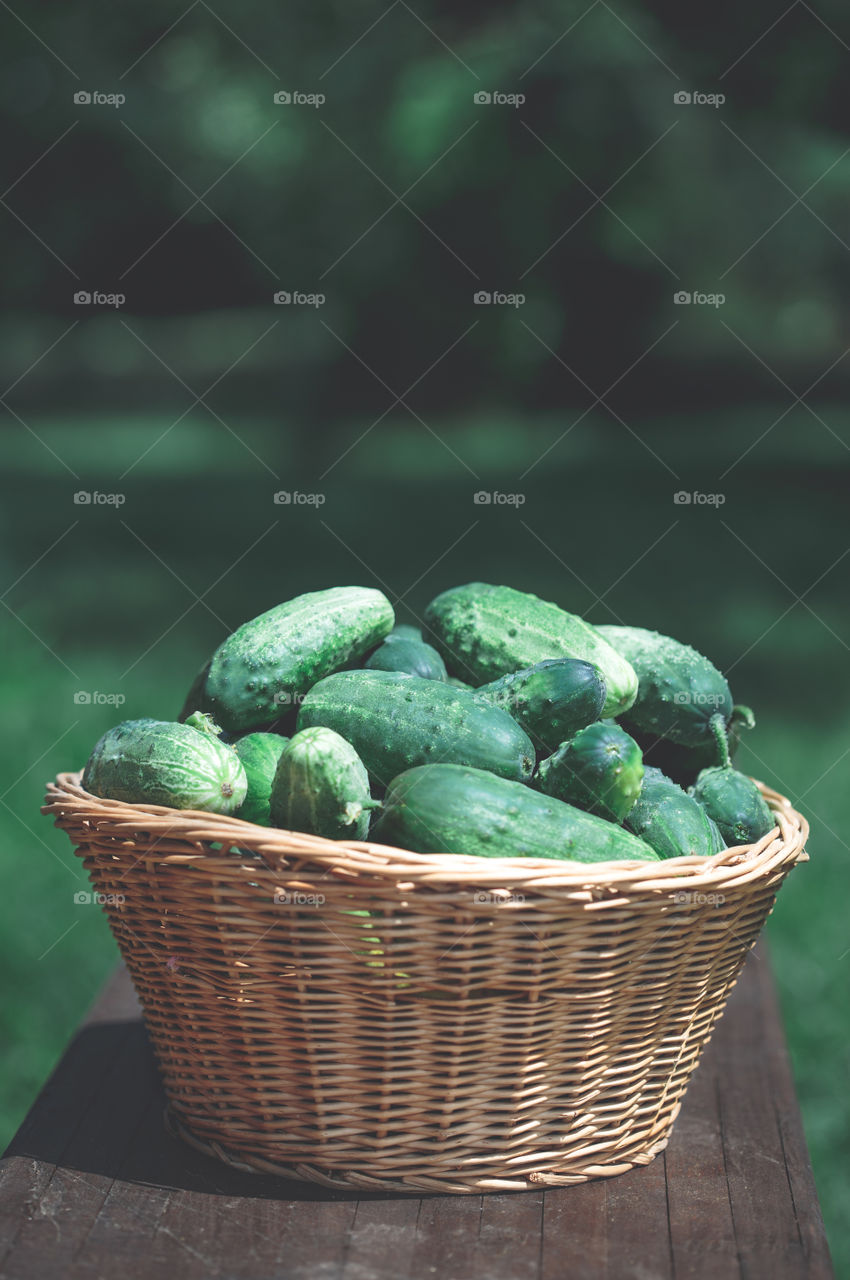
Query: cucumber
(551, 700)
(406, 654)
(269, 662)
(449, 808)
(733, 800)
(164, 763)
(395, 721)
(679, 689)
(405, 631)
(321, 787)
(683, 764)
(671, 821)
(260, 754)
(600, 770)
(458, 684)
(485, 632)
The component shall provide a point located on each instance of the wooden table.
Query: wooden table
(92, 1186)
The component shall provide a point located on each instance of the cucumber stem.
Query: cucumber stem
(742, 717)
(717, 724)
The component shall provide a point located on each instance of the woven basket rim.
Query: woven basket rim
(71, 806)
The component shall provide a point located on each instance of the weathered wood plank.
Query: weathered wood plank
(93, 1186)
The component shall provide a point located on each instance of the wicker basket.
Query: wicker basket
(489, 1025)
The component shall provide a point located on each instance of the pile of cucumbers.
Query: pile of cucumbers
(505, 727)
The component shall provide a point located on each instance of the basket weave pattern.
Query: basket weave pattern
(491, 1024)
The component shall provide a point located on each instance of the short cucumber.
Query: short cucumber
(448, 808)
(671, 821)
(485, 632)
(269, 662)
(260, 754)
(321, 787)
(406, 654)
(733, 800)
(551, 700)
(396, 721)
(600, 770)
(164, 763)
(683, 764)
(679, 689)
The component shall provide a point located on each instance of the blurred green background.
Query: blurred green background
(594, 401)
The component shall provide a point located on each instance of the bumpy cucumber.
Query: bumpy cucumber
(551, 700)
(600, 770)
(321, 787)
(406, 654)
(679, 690)
(733, 800)
(447, 808)
(260, 754)
(269, 662)
(160, 762)
(485, 632)
(683, 764)
(671, 821)
(396, 721)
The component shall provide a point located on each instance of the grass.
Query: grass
(111, 604)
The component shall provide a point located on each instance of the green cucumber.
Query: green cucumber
(671, 821)
(404, 653)
(485, 632)
(683, 764)
(405, 631)
(164, 763)
(733, 800)
(321, 787)
(449, 808)
(396, 721)
(458, 684)
(600, 770)
(260, 754)
(269, 662)
(679, 690)
(551, 700)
